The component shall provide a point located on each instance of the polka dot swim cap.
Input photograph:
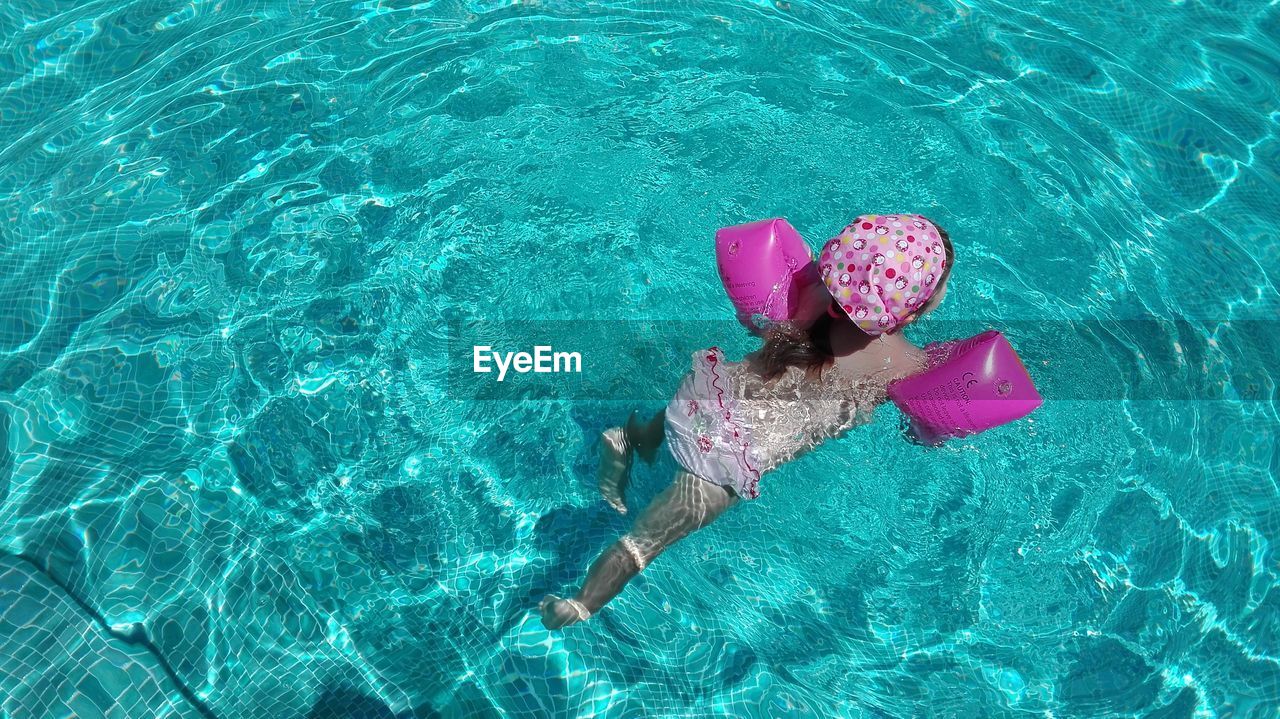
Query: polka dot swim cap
(882, 268)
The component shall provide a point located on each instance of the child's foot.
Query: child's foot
(615, 467)
(558, 613)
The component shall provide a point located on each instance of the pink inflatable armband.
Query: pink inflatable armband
(766, 268)
(976, 384)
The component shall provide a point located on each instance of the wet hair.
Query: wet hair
(787, 345)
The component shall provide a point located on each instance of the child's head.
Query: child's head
(804, 342)
(884, 270)
(939, 290)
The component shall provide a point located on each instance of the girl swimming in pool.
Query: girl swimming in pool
(814, 378)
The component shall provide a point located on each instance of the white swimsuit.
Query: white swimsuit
(727, 426)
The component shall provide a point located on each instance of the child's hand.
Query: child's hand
(918, 434)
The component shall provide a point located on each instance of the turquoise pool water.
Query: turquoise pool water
(236, 482)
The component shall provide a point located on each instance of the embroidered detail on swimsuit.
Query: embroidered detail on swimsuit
(742, 457)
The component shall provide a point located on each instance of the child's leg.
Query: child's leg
(688, 504)
(647, 437)
(616, 447)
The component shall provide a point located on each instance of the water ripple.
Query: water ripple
(235, 232)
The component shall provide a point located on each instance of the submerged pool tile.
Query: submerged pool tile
(87, 672)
